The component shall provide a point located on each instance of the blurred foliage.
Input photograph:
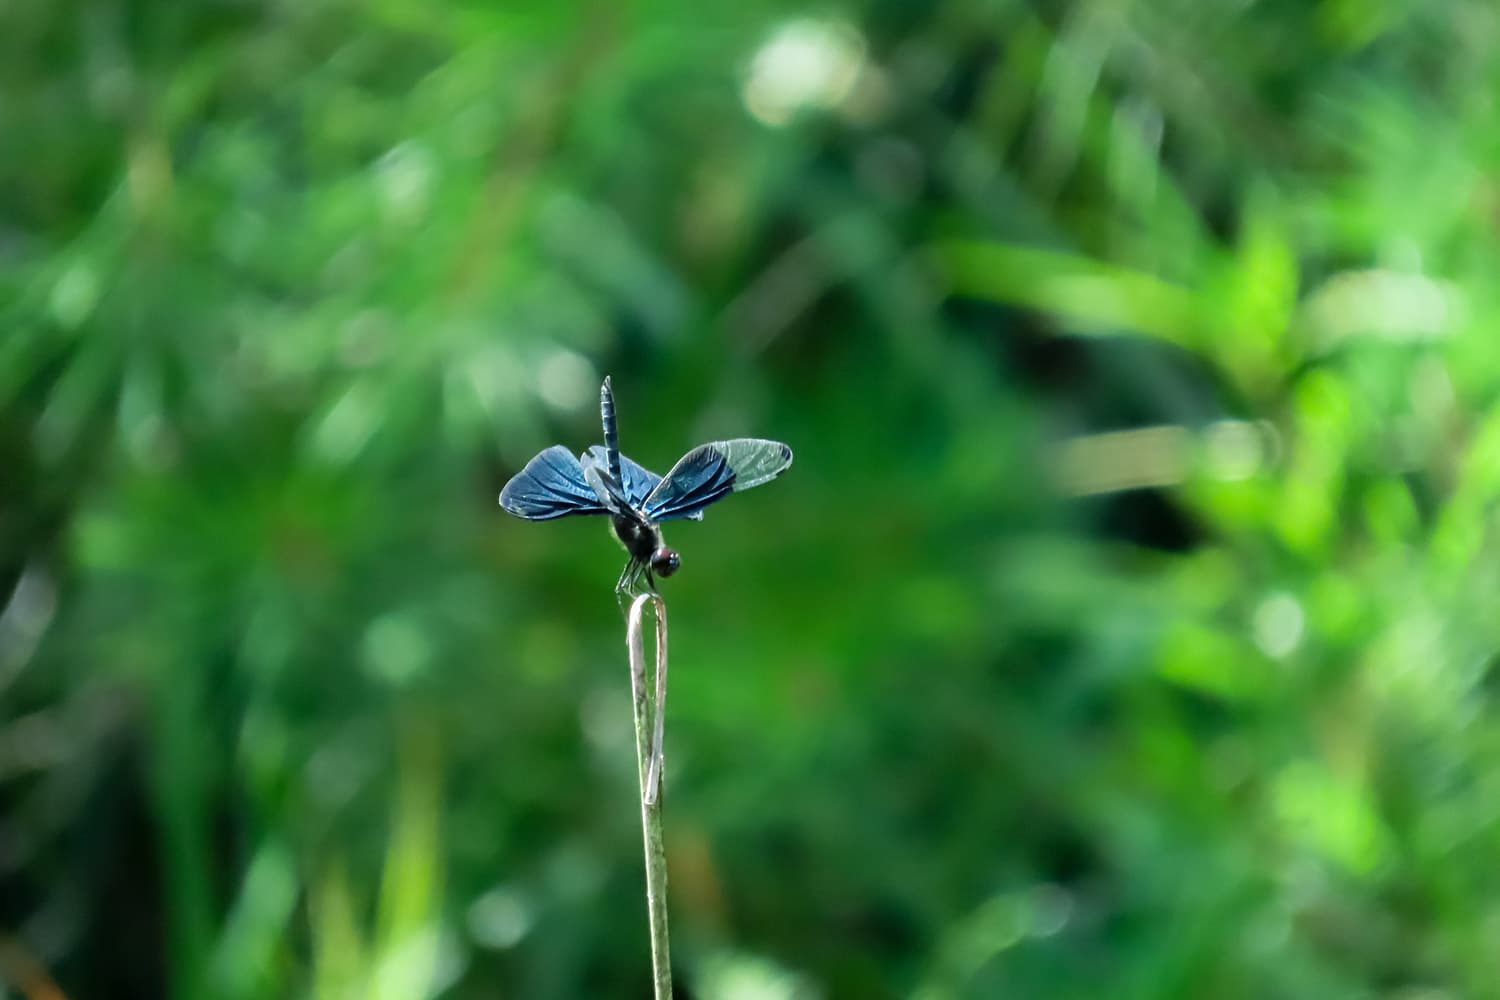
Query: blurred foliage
(1125, 628)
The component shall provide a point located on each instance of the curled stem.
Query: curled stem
(650, 713)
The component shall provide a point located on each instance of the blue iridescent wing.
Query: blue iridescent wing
(638, 482)
(711, 472)
(698, 479)
(754, 460)
(608, 491)
(551, 485)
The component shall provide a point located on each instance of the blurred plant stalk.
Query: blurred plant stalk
(22, 969)
(650, 713)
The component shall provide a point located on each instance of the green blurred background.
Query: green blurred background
(1125, 628)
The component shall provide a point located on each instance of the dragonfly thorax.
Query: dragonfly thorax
(641, 538)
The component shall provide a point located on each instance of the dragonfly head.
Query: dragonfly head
(664, 561)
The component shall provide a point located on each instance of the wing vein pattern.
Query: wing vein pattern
(712, 471)
(551, 485)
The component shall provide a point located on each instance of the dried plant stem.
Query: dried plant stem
(650, 713)
(22, 969)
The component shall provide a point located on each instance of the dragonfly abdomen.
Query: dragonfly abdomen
(611, 430)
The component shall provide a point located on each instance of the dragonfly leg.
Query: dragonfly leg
(630, 586)
(623, 588)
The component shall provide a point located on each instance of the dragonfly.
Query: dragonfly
(602, 481)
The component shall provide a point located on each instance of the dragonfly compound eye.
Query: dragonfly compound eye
(664, 562)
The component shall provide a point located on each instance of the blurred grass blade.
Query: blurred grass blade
(1089, 296)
